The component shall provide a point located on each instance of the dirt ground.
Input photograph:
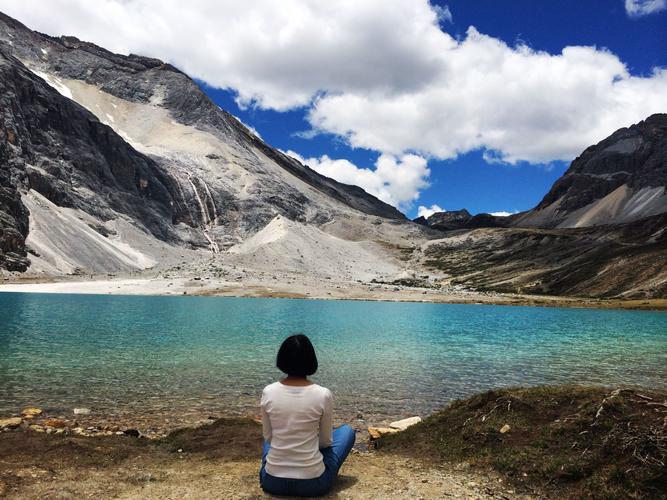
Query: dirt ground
(215, 461)
(302, 287)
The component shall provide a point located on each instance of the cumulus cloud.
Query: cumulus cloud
(276, 55)
(395, 180)
(639, 8)
(518, 103)
(426, 212)
(382, 74)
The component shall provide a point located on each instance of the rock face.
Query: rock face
(129, 145)
(621, 179)
(50, 144)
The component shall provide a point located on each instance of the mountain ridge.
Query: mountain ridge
(621, 179)
(121, 164)
(221, 183)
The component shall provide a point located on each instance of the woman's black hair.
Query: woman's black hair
(296, 356)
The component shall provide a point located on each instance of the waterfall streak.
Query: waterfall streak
(202, 208)
(214, 220)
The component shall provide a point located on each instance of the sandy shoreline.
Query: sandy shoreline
(289, 287)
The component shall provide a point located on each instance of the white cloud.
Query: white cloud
(444, 14)
(502, 213)
(639, 8)
(396, 181)
(275, 54)
(426, 212)
(517, 102)
(382, 73)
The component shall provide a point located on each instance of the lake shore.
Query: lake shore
(303, 288)
(508, 443)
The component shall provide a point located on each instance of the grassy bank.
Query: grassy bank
(562, 441)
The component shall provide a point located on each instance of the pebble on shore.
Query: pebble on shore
(31, 412)
(10, 423)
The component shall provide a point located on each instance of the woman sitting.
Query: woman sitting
(302, 451)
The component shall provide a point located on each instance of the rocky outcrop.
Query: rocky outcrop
(621, 179)
(455, 219)
(461, 219)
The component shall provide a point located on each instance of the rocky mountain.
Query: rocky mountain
(621, 179)
(623, 261)
(601, 231)
(115, 163)
(121, 164)
(451, 220)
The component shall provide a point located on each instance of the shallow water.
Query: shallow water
(119, 354)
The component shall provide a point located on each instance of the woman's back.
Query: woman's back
(302, 454)
(297, 421)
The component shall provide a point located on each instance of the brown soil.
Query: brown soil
(215, 461)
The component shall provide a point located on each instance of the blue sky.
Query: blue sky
(477, 104)
(469, 181)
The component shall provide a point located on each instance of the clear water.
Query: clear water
(119, 354)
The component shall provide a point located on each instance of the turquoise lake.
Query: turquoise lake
(120, 354)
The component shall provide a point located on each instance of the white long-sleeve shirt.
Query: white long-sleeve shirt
(297, 421)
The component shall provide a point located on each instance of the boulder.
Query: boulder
(401, 425)
(10, 423)
(378, 432)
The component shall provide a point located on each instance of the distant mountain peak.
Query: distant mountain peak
(620, 179)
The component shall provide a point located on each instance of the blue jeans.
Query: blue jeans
(334, 456)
